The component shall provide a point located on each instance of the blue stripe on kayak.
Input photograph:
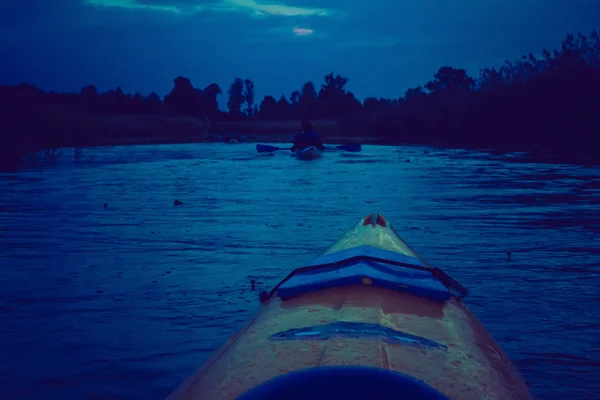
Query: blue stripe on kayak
(417, 282)
(367, 251)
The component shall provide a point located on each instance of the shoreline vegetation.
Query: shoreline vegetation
(544, 105)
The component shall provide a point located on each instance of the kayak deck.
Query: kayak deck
(366, 273)
(370, 253)
(308, 153)
(369, 301)
(464, 362)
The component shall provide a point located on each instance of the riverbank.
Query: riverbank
(54, 127)
(114, 130)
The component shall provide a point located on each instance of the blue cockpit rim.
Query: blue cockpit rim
(343, 382)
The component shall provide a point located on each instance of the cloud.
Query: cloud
(278, 9)
(149, 6)
(302, 31)
(193, 7)
(285, 35)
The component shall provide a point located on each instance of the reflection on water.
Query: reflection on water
(125, 301)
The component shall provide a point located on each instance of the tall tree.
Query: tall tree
(294, 100)
(415, 94)
(334, 99)
(210, 103)
(334, 83)
(116, 100)
(284, 109)
(489, 79)
(268, 108)
(153, 103)
(249, 96)
(89, 91)
(89, 97)
(308, 101)
(236, 98)
(184, 99)
(451, 79)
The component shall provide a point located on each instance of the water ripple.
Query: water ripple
(127, 299)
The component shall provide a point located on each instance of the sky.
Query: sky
(383, 46)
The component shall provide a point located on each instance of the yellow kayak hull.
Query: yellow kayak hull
(343, 310)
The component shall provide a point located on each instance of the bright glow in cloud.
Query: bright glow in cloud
(278, 9)
(250, 6)
(302, 31)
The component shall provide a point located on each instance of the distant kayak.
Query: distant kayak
(366, 319)
(265, 148)
(309, 153)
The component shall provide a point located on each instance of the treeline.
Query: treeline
(330, 102)
(548, 103)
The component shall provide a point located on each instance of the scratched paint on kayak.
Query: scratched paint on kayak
(128, 300)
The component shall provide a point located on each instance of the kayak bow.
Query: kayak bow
(368, 318)
(265, 148)
(309, 153)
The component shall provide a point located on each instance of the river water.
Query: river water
(126, 301)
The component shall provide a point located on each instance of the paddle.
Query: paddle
(346, 147)
(263, 148)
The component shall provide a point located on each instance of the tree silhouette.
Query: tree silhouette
(268, 108)
(294, 100)
(210, 103)
(284, 108)
(90, 98)
(415, 94)
(153, 103)
(334, 83)
(236, 98)
(307, 103)
(249, 96)
(450, 79)
(183, 99)
(89, 92)
(332, 96)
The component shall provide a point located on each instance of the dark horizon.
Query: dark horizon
(531, 104)
(384, 48)
(222, 97)
(164, 88)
